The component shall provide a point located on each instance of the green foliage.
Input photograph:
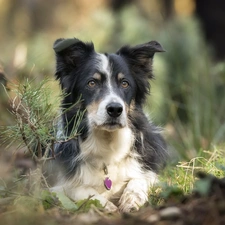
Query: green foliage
(66, 202)
(202, 186)
(49, 199)
(86, 204)
(34, 115)
(36, 112)
(180, 180)
(193, 101)
(35, 109)
(171, 192)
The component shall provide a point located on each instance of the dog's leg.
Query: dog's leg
(136, 192)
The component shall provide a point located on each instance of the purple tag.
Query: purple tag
(107, 183)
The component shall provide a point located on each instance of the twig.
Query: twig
(15, 109)
(50, 158)
(85, 202)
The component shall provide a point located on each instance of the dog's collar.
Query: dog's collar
(107, 181)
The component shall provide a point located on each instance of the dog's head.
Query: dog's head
(108, 84)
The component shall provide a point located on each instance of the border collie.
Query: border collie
(118, 152)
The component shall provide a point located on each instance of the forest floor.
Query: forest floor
(206, 205)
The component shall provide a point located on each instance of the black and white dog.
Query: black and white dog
(116, 156)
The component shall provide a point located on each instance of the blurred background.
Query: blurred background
(187, 96)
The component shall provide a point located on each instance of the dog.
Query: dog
(118, 151)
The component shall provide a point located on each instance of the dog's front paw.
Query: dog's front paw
(131, 201)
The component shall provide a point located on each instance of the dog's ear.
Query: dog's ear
(70, 53)
(139, 59)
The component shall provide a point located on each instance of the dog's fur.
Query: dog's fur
(116, 139)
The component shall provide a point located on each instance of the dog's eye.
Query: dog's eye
(124, 84)
(91, 83)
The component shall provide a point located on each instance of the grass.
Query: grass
(181, 179)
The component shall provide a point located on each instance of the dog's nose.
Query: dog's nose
(114, 109)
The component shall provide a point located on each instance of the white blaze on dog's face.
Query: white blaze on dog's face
(111, 93)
